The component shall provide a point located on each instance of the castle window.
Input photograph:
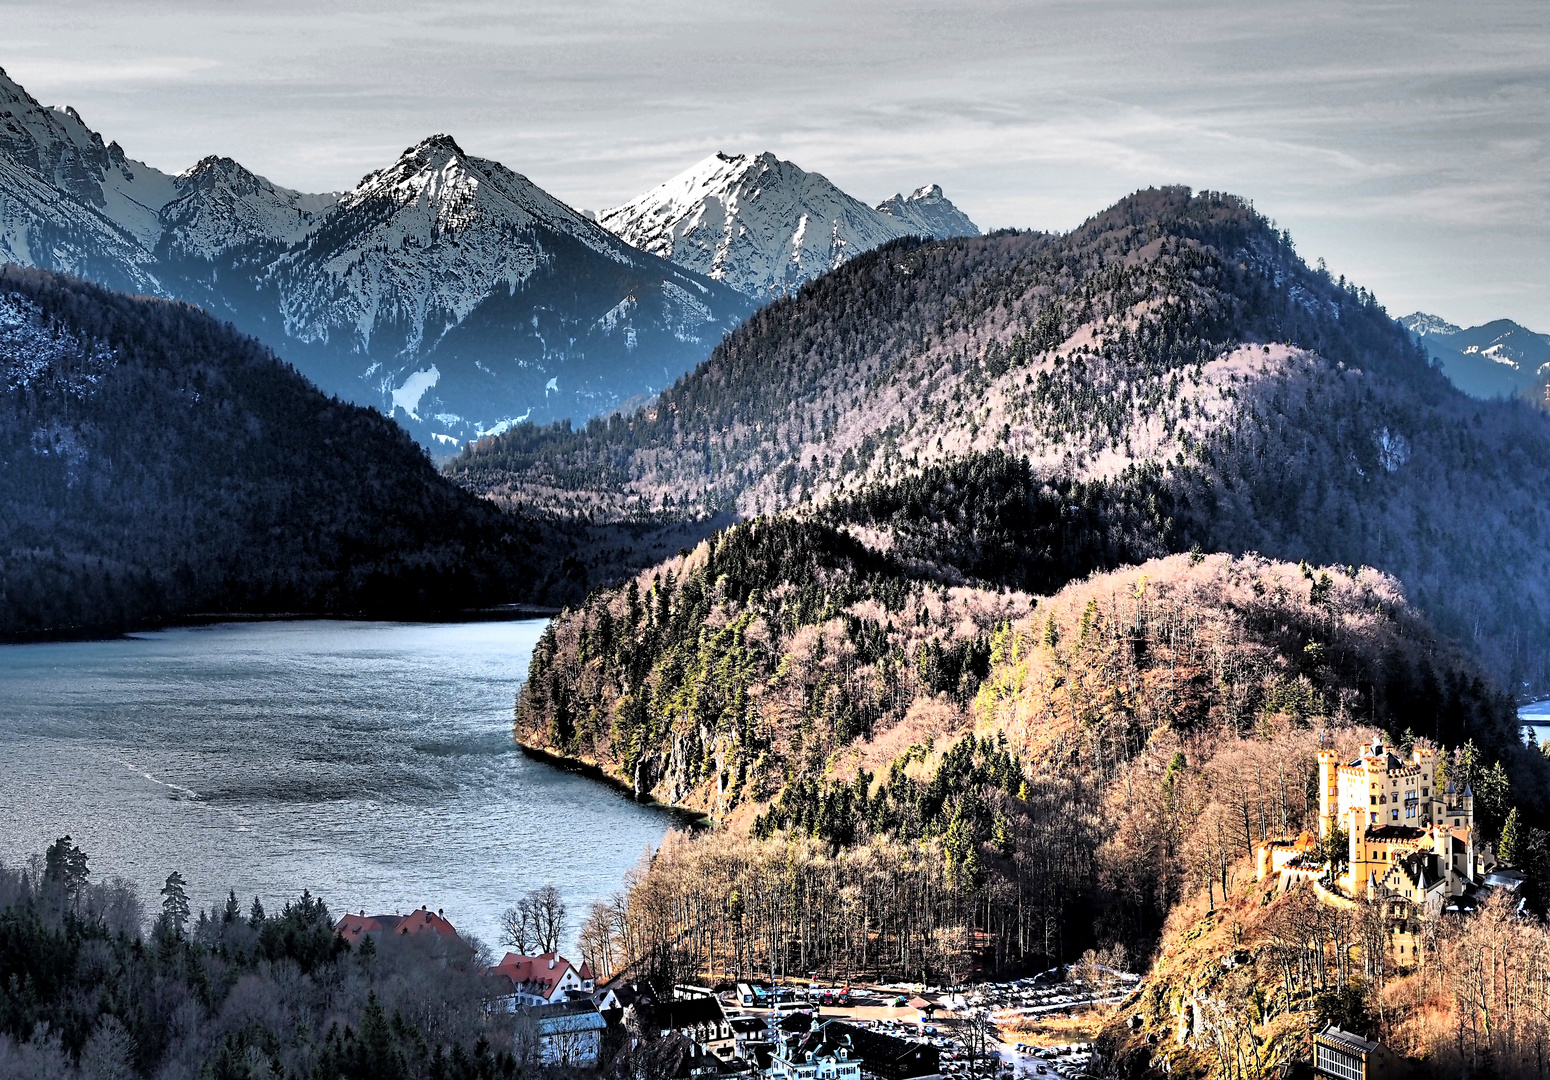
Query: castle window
(1396, 815)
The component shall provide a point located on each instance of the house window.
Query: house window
(1396, 815)
(1375, 800)
(1338, 1063)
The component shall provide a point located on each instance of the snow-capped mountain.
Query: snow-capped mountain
(446, 290)
(928, 212)
(762, 225)
(1497, 359)
(221, 206)
(463, 298)
(70, 202)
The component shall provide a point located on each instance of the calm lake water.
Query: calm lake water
(369, 762)
(1535, 719)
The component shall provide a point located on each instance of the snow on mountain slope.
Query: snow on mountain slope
(1421, 324)
(762, 225)
(445, 289)
(456, 294)
(221, 206)
(56, 146)
(429, 237)
(1497, 359)
(927, 212)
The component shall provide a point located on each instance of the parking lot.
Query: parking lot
(1008, 1005)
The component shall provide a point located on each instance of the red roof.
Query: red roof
(539, 974)
(424, 921)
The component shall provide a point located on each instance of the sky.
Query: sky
(1407, 143)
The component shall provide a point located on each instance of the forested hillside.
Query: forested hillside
(899, 767)
(1173, 350)
(234, 993)
(156, 464)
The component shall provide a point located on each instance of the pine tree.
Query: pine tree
(174, 904)
(1507, 849)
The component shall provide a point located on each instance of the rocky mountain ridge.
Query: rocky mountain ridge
(766, 226)
(445, 290)
(1497, 359)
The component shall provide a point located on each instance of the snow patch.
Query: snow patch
(407, 397)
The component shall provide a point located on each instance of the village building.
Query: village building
(568, 1034)
(1343, 1055)
(877, 1055)
(813, 1056)
(699, 1018)
(423, 924)
(751, 1037)
(673, 1057)
(547, 979)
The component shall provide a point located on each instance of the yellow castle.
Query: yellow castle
(1407, 840)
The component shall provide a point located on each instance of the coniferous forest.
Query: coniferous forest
(93, 979)
(157, 464)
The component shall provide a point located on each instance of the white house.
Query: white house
(568, 1034)
(547, 979)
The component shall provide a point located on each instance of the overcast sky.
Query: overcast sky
(1406, 143)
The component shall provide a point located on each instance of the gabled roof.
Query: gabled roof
(679, 1013)
(875, 1046)
(566, 1016)
(1348, 1040)
(353, 928)
(424, 921)
(538, 974)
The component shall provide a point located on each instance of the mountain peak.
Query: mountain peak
(758, 223)
(928, 212)
(1422, 324)
(438, 144)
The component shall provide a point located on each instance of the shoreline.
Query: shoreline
(696, 819)
(499, 613)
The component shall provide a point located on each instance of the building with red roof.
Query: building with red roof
(422, 924)
(546, 979)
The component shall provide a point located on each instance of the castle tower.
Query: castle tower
(1467, 805)
(1329, 808)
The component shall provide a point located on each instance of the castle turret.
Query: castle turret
(1329, 801)
(1467, 805)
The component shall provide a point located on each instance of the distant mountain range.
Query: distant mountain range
(765, 226)
(445, 290)
(1498, 359)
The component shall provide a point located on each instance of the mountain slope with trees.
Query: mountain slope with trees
(1174, 345)
(900, 768)
(157, 464)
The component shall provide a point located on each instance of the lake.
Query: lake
(1535, 719)
(371, 763)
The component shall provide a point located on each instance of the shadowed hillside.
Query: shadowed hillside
(158, 464)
